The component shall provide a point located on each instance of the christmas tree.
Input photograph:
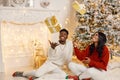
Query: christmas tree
(97, 15)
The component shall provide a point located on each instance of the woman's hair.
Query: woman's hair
(101, 42)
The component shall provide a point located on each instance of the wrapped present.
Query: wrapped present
(52, 24)
(53, 20)
(75, 5)
(54, 29)
(47, 22)
(58, 27)
(79, 7)
(82, 11)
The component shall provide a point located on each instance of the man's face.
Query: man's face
(63, 36)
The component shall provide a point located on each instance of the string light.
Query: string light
(19, 45)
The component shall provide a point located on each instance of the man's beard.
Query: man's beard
(62, 42)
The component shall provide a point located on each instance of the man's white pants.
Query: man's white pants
(84, 72)
(47, 71)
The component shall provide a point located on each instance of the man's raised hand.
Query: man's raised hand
(53, 44)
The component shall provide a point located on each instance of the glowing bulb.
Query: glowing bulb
(66, 22)
(64, 8)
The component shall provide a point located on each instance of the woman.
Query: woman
(96, 56)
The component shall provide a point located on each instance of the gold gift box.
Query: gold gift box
(75, 5)
(78, 7)
(47, 22)
(51, 29)
(53, 20)
(82, 11)
(58, 27)
(54, 29)
(52, 24)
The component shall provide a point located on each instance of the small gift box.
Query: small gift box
(52, 24)
(79, 7)
(75, 5)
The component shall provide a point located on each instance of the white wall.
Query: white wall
(60, 8)
(1, 59)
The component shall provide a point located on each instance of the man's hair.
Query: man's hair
(65, 30)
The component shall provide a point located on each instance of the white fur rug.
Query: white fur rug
(113, 72)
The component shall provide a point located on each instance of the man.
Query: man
(60, 53)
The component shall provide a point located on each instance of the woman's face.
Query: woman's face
(95, 37)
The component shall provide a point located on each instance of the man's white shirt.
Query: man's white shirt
(62, 54)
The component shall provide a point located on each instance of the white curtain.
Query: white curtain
(19, 41)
